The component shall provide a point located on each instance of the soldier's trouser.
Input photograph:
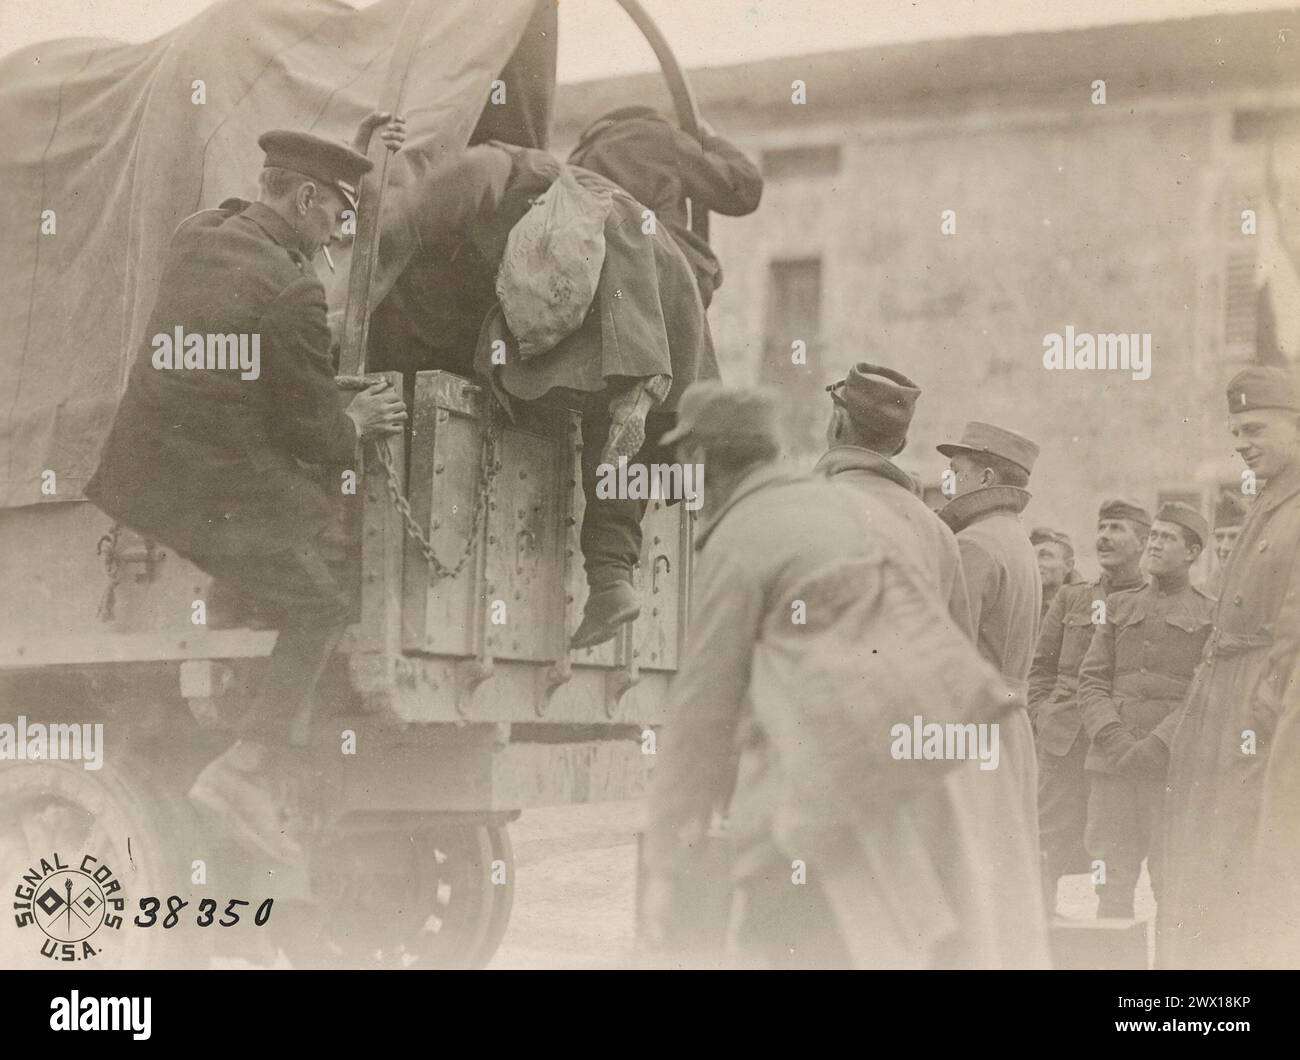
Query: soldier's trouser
(1123, 819)
(297, 592)
(611, 527)
(1062, 815)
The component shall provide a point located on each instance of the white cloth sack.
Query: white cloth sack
(552, 264)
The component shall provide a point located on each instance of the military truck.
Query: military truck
(453, 703)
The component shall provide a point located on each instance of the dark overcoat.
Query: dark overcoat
(204, 460)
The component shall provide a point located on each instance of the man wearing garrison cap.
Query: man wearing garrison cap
(1122, 528)
(871, 411)
(1132, 681)
(1055, 554)
(1229, 514)
(226, 467)
(1235, 754)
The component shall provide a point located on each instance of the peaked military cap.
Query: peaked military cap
(1187, 517)
(312, 156)
(1262, 388)
(998, 441)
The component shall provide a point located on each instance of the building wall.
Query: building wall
(1107, 218)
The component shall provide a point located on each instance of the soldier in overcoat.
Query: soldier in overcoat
(1225, 735)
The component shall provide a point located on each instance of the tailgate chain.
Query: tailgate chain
(489, 465)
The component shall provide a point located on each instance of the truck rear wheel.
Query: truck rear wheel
(119, 837)
(425, 897)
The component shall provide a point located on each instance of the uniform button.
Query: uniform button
(1237, 600)
(1142, 669)
(1263, 546)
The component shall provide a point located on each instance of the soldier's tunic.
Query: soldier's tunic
(1058, 724)
(1135, 676)
(1215, 784)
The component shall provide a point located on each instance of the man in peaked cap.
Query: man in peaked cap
(1235, 748)
(1132, 681)
(1062, 744)
(989, 468)
(228, 468)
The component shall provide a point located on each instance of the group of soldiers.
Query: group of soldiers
(1142, 719)
(1129, 718)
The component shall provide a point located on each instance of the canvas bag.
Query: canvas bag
(876, 649)
(552, 262)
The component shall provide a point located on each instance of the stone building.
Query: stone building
(942, 207)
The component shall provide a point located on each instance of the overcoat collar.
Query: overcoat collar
(854, 458)
(276, 227)
(961, 511)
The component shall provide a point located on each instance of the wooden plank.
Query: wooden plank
(20, 654)
(478, 768)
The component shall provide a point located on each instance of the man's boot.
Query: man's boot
(609, 605)
(627, 413)
(257, 798)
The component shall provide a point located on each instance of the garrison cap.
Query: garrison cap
(713, 410)
(998, 441)
(324, 160)
(1045, 535)
(1121, 508)
(1262, 388)
(1187, 517)
(877, 399)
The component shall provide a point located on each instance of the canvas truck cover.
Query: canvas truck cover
(107, 147)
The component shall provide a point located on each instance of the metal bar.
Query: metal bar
(365, 248)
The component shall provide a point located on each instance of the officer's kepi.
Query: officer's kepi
(331, 163)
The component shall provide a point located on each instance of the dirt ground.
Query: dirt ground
(575, 889)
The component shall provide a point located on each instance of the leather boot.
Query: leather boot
(627, 413)
(608, 606)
